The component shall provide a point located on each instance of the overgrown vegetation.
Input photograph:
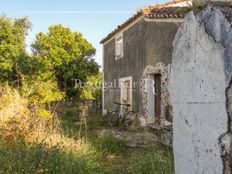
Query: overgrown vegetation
(105, 142)
(33, 138)
(154, 161)
(64, 144)
(32, 144)
(95, 130)
(53, 154)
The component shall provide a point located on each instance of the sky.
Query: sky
(93, 18)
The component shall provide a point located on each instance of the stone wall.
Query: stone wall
(142, 48)
(200, 81)
(162, 69)
(73, 106)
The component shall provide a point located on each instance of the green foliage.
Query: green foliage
(107, 143)
(155, 161)
(12, 47)
(61, 46)
(19, 69)
(44, 92)
(59, 56)
(97, 121)
(40, 94)
(93, 89)
(32, 70)
(65, 55)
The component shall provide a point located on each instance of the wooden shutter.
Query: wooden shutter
(119, 47)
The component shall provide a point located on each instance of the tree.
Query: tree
(66, 55)
(93, 88)
(12, 47)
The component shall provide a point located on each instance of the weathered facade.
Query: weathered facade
(194, 77)
(147, 52)
(143, 47)
(200, 92)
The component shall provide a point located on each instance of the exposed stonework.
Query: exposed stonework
(162, 69)
(142, 47)
(136, 139)
(144, 138)
(73, 106)
(200, 76)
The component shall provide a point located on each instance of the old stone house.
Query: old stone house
(191, 73)
(136, 60)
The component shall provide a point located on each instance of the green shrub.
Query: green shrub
(97, 121)
(155, 161)
(107, 143)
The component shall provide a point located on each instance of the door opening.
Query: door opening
(126, 91)
(157, 80)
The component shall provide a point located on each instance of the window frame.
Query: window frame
(129, 91)
(119, 46)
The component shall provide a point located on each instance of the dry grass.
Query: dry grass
(33, 144)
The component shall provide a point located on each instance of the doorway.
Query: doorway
(153, 97)
(157, 104)
(126, 91)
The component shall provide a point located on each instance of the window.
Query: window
(119, 47)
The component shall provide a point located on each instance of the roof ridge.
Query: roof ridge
(141, 12)
(150, 8)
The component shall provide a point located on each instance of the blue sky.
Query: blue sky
(95, 19)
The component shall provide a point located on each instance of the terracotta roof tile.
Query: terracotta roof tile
(165, 10)
(169, 12)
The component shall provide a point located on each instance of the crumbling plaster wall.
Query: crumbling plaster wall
(142, 47)
(200, 75)
(162, 69)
